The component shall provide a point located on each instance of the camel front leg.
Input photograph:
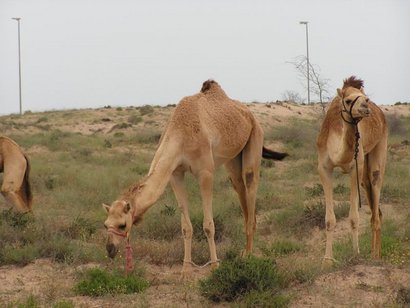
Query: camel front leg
(14, 199)
(330, 218)
(354, 208)
(177, 184)
(205, 178)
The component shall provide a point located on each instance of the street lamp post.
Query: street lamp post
(307, 57)
(19, 50)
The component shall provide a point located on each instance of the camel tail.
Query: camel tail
(270, 154)
(26, 186)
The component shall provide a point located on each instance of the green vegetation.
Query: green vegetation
(97, 282)
(237, 277)
(73, 172)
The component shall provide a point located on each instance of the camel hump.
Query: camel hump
(207, 85)
(354, 82)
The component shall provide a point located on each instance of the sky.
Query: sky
(92, 53)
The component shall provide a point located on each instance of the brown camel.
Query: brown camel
(14, 163)
(205, 131)
(336, 148)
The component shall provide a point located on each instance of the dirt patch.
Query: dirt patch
(358, 286)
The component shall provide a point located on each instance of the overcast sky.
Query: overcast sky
(91, 53)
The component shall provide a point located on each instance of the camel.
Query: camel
(351, 109)
(16, 187)
(205, 131)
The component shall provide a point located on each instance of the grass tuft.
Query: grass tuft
(238, 277)
(97, 282)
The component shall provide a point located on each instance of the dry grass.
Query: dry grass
(82, 158)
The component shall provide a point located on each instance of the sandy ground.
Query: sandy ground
(357, 286)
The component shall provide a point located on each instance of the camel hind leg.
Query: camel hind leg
(372, 182)
(251, 160)
(11, 188)
(234, 168)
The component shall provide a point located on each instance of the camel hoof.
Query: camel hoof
(186, 273)
(215, 265)
(328, 262)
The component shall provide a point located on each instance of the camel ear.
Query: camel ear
(362, 90)
(339, 92)
(106, 207)
(127, 207)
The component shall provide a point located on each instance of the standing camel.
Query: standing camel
(205, 131)
(16, 187)
(351, 109)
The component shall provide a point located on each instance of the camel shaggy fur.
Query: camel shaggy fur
(205, 131)
(336, 148)
(15, 165)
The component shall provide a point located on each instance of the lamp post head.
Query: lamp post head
(16, 18)
(303, 22)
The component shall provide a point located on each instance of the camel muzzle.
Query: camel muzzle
(112, 250)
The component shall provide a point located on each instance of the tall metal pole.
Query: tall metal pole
(307, 57)
(19, 49)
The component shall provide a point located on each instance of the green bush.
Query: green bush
(146, 109)
(97, 282)
(281, 248)
(266, 299)
(237, 277)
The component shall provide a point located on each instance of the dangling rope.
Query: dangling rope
(129, 264)
(356, 152)
(354, 122)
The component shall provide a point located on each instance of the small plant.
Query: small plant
(81, 228)
(15, 219)
(315, 191)
(266, 299)
(134, 119)
(282, 248)
(147, 109)
(238, 277)
(97, 282)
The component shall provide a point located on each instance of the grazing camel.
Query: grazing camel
(351, 109)
(14, 163)
(205, 131)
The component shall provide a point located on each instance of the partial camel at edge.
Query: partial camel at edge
(16, 188)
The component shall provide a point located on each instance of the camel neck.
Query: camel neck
(155, 183)
(347, 144)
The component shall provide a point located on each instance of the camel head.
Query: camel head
(118, 224)
(355, 102)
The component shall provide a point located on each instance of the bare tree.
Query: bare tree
(319, 85)
(292, 96)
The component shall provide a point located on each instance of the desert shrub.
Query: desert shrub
(15, 219)
(134, 119)
(315, 191)
(97, 282)
(81, 228)
(146, 109)
(266, 299)
(315, 215)
(281, 248)
(147, 137)
(237, 277)
(396, 125)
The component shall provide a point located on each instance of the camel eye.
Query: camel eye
(122, 227)
(348, 101)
